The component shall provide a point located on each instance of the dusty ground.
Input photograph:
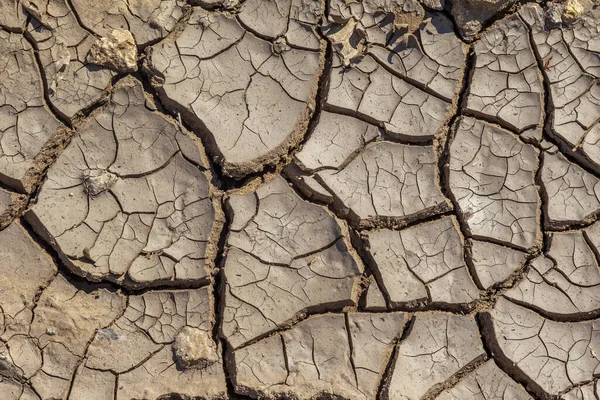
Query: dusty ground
(225, 199)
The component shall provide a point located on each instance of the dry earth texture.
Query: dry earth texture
(296, 199)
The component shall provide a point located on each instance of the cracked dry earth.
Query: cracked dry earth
(295, 199)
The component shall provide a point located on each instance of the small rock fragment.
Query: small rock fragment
(96, 181)
(280, 45)
(117, 50)
(434, 4)
(108, 334)
(572, 11)
(5, 201)
(33, 10)
(194, 347)
(408, 17)
(348, 41)
(471, 15)
(553, 15)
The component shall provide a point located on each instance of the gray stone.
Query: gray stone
(472, 15)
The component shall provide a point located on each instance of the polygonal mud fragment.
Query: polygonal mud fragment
(369, 91)
(591, 391)
(438, 346)
(375, 300)
(24, 270)
(506, 85)
(423, 264)
(494, 263)
(334, 141)
(90, 384)
(397, 66)
(25, 122)
(13, 390)
(344, 355)
(12, 15)
(145, 348)
(159, 376)
(592, 237)
(61, 325)
(129, 200)
(566, 282)
(285, 256)
(432, 58)
(250, 98)
(570, 58)
(387, 181)
(418, 47)
(491, 176)
(571, 191)
(62, 46)
(550, 356)
(147, 20)
(487, 382)
(294, 20)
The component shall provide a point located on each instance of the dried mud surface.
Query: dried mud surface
(299, 199)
